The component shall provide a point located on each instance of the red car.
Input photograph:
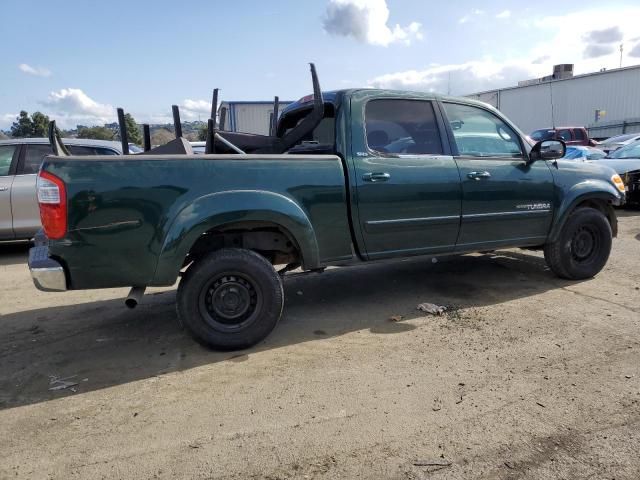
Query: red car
(570, 135)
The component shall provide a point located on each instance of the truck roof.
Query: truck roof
(334, 97)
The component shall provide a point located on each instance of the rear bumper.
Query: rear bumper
(47, 274)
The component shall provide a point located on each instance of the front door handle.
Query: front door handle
(4, 189)
(478, 175)
(376, 177)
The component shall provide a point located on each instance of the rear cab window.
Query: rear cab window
(579, 134)
(402, 127)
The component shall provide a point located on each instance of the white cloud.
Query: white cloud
(559, 45)
(476, 12)
(37, 71)
(71, 106)
(459, 79)
(504, 14)
(366, 21)
(195, 109)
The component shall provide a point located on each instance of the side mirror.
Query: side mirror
(548, 150)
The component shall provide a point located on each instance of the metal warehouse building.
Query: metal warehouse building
(606, 102)
(249, 117)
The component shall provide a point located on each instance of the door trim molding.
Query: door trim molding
(481, 217)
(377, 226)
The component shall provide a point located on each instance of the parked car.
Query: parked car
(611, 144)
(312, 196)
(569, 135)
(20, 159)
(626, 163)
(198, 147)
(578, 152)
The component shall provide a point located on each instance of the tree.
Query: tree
(40, 124)
(35, 126)
(133, 132)
(23, 126)
(97, 133)
(161, 136)
(202, 133)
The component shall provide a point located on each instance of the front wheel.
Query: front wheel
(230, 299)
(583, 246)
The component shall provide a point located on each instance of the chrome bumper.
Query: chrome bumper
(47, 274)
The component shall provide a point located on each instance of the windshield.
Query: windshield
(544, 134)
(629, 151)
(619, 139)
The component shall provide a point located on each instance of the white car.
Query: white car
(611, 144)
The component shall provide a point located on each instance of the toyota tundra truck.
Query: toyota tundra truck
(346, 177)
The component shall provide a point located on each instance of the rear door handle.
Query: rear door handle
(478, 175)
(376, 177)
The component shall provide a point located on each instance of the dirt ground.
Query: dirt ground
(527, 376)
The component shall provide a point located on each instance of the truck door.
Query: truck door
(505, 201)
(24, 203)
(407, 184)
(7, 155)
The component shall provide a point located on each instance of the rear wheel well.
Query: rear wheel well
(270, 240)
(604, 207)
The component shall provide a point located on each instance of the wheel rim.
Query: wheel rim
(230, 301)
(584, 244)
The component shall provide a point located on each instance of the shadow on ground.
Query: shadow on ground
(14, 253)
(110, 345)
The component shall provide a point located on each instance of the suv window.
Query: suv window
(564, 135)
(402, 127)
(33, 158)
(579, 133)
(6, 156)
(479, 133)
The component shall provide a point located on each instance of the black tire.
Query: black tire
(583, 247)
(230, 299)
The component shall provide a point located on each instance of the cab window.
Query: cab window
(564, 135)
(402, 127)
(480, 133)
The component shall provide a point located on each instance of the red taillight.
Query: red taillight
(52, 198)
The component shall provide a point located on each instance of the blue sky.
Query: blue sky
(77, 60)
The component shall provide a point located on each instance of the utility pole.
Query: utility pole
(621, 48)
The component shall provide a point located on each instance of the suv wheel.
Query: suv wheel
(583, 247)
(230, 299)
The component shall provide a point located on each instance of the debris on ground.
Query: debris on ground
(432, 308)
(432, 463)
(395, 318)
(56, 383)
(437, 405)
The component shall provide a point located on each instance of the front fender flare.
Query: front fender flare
(581, 192)
(221, 208)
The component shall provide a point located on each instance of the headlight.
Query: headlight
(617, 181)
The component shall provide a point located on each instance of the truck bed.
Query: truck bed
(133, 218)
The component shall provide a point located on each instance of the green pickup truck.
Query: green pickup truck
(347, 177)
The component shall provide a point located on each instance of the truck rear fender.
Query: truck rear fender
(592, 193)
(217, 210)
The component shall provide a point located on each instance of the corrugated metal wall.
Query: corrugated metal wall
(249, 117)
(575, 101)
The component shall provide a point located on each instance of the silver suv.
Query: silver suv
(20, 160)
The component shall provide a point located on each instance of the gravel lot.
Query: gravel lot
(527, 376)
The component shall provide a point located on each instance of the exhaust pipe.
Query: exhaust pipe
(134, 297)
